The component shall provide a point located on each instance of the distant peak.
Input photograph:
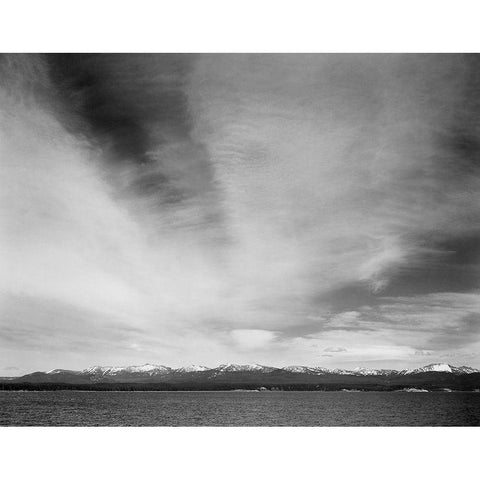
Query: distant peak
(433, 367)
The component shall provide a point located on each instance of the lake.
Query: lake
(81, 408)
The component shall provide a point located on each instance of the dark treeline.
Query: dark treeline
(137, 387)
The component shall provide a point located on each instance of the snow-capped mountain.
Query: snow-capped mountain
(298, 369)
(307, 370)
(249, 367)
(60, 371)
(440, 367)
(161, 370)
(437, 376)
(161, 373)
(465, 369)
(341, 371)
(146, 369)
(373, 371)
(361, 371)
(192, 368)
(338, 371)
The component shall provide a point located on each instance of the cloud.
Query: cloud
(219, 204)
(333, 176)
(424, 353)
(252, 339)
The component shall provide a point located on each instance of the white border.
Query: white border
(233, 26)
(239, 453)
(223, 26)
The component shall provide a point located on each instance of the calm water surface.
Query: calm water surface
(76, 408)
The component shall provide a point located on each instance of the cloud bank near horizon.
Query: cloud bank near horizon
(318, 209)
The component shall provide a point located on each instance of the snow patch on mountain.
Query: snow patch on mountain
(192, 368)
(306, 370)
(249, 367)
(57, 371)
(441, 367)
(373, 371)
(341, 371)
(433, 367)
(465, 369)
(147, 369)
(298, 369)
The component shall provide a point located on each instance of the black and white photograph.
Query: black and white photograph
(239, 239)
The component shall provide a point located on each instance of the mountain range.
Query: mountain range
(198, 377)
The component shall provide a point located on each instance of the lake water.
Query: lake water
(78, 408)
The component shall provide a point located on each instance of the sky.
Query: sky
(281, 209)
